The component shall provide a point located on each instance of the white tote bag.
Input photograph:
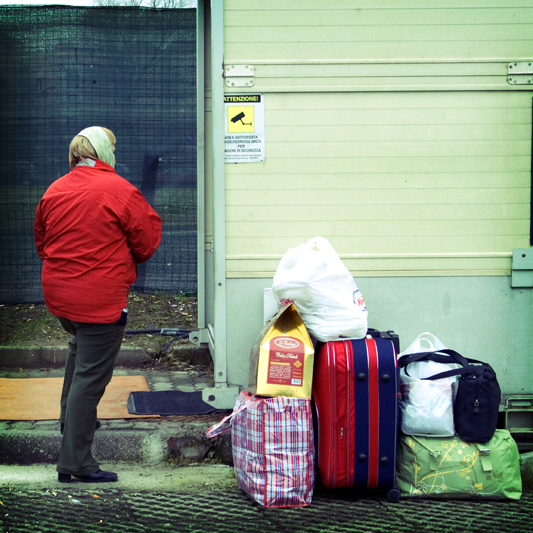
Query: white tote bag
(426, 406)
(313, 277)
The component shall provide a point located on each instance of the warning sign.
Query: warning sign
(244, 139)
(236, 117)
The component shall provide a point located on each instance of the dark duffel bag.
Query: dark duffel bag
(477, 402)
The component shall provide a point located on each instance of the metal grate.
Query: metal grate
(132, 70)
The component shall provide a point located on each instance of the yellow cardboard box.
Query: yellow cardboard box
(282, 358)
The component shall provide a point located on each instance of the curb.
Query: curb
(178, 441)
(32, 357)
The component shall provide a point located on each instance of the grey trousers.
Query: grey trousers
(89, 368)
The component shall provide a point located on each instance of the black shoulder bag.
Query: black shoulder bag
(477, 402)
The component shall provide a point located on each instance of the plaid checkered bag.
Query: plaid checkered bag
(273, 449)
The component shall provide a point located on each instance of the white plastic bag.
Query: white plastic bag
(426, 406)
(314, 278)
(425, 342)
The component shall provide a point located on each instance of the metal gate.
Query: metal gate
(132, 70)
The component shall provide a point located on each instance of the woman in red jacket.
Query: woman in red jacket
(92, 228)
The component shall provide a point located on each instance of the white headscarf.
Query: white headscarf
(101, 143)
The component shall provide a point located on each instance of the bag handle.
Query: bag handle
(439, 356)
(446, 356)
(460, 371)
(425, 342)
(324, 251)
(216, 430)
(451, 357)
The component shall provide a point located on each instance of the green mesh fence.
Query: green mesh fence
(132, 70)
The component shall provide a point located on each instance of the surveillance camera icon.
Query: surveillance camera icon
(239, 117)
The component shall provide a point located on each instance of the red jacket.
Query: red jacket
(91, 229)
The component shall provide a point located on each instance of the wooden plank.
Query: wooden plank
(337, 149)
(394, 132)
(383, 6)
(376, 197)
(393, 69)
(387, 245)
(346, 165)
(391, 85)
(398, 212)
(507, 50)
(396, 116)
(382, 229)
(387, 273)
(261, 267)
(414, 103)
(438, 14)
(326, 33)
(397, 180)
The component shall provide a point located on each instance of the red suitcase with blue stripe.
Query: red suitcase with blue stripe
(355, 393)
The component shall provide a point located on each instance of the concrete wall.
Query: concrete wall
(480, 317)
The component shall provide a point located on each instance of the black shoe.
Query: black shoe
(97, 425)
(100, 476)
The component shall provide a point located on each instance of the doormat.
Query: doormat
(38, 398)
(168, 403)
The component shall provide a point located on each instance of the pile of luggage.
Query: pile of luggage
(345, 405)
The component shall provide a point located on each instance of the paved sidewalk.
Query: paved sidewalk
(176, 440)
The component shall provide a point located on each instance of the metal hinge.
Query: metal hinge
(520, 73)
(239, 75)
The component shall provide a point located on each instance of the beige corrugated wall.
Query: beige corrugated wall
(391, 130)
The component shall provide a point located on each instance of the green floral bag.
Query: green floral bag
(450, 468)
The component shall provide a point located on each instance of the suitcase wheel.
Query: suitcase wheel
(394, 495)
